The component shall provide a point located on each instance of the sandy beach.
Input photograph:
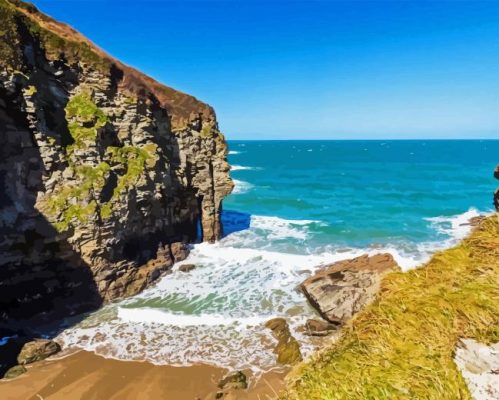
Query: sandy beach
(84, 375)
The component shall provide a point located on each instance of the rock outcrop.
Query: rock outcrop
(14, 372)
(340, 290)
(37, 350)
(230, 384)
(315, 327)
(287, 348)
(105, 174)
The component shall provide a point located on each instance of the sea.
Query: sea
(296, 205)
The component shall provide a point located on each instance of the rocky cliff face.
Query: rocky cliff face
(104, 172)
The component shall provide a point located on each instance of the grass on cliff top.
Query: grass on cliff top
(401, 347)
(55, 38)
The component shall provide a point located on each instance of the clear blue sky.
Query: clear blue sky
(317, 69)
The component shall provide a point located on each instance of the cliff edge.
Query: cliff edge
(104, 172)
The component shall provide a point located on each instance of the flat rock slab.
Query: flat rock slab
(340, 290)
(479, 365)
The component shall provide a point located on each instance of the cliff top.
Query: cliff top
(61, 40)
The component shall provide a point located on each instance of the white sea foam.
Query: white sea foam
(454, 226)
(279, 228)
(215, 313)
(242, 168)
(234, 152)
(151, 315)
(241, 187)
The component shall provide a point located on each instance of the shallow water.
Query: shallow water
(296, 205)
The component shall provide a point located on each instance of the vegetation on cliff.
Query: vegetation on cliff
(15, 13)
(401, 347)
(85, 118)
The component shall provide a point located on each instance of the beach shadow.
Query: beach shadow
(235, 221)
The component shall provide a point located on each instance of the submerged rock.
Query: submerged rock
(37, 350)
(287, 348)
(186, 267)
(14, 372)
(340, 290)
(315, 327)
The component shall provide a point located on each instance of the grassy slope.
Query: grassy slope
(401, 347)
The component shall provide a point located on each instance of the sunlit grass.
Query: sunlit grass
(401, 347)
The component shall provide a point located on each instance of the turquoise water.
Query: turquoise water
(363, 191)
(296, 206)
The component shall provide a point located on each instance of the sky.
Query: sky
(316, 69)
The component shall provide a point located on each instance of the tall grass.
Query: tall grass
(402, 346)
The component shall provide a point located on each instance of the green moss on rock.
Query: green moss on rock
(135, 159)
(75, 203)
(85, 119)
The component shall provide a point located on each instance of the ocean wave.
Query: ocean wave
(241, 187)
(150, 315)
(455, 226)
(279, 228)
(215, 313)
(243, 168)
(234, 152)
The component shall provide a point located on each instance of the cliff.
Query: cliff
(104, 172)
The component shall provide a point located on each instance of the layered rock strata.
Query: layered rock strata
(105, 174)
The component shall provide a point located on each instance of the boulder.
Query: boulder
(231, 382)
(315, 327)
(37, 350)
(340, 290)
(186, 267)
(234, 380)
(287, 348)
(179, 251)
(14, 372)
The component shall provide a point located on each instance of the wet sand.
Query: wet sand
(84, 375)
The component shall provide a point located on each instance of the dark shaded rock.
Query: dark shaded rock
(287, 348)
(340, 290)
(315, 327)
(186, 267)
(14, 372)
(37, 350)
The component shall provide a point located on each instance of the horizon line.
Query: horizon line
(361, 139)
